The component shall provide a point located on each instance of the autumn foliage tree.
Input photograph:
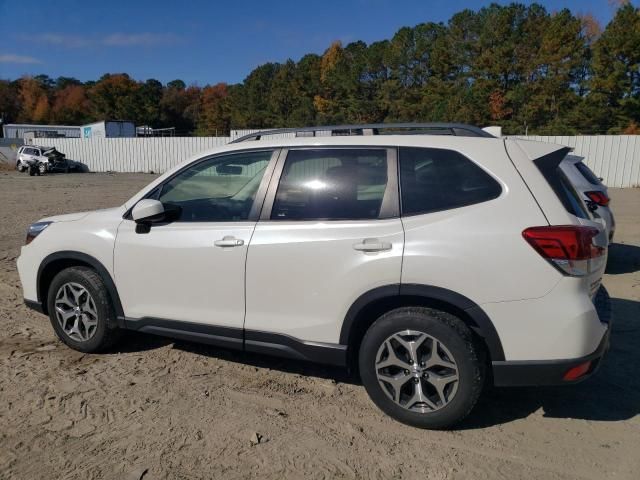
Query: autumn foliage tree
(214, 116)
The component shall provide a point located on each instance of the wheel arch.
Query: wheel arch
(370, 305)
(54, 263)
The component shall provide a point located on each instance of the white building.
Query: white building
(18, 130)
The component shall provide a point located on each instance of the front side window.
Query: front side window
(331, 184)
(433, 179)
(220, 189)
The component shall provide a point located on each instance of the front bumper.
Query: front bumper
(552, 372)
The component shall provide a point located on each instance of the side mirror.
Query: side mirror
(148, 211)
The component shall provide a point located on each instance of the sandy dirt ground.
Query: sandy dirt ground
(158, 409)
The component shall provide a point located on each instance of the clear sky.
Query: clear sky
(202, 41)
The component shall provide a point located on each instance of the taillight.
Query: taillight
(598, 197)
(569, 248)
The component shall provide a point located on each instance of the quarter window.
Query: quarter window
(434, 179)
(331, 184)
(220, 189)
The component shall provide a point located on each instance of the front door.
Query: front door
(193, 269)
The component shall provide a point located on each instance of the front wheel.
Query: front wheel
(42, 168)
(421, 367)
(81, 311)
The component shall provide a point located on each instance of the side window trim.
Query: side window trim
(390, 207)
(259, 199)
(265, 214)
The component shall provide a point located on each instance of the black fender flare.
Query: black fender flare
(476, 319)
(81, 258)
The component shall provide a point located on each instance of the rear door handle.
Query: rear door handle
(372, 245)
(229, 241)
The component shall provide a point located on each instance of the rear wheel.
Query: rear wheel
(20, 167)
(81, 311)
(421, 367)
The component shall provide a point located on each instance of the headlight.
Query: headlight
(35, 229)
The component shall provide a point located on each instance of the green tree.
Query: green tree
(179, 107)
(9, 101)
(149, 96)
(615, 86)
(115, 97)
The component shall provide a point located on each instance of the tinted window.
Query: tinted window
(571, 199)
(433, 179)
(331, 184)
(218, 189)
(587, 174)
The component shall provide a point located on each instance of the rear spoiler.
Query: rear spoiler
(549, 167)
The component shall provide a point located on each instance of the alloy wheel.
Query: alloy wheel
(417, 371)
(76, 312)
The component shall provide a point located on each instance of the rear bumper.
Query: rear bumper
(552, 372)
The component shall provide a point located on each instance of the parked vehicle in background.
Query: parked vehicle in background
(592, 191)
(428, 262)
(40, 160)
(28, 156)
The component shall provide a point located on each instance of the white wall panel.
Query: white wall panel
(155, 154)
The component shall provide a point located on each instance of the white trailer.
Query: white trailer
(109, 129)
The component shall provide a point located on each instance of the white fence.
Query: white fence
(615, 158)
(154, 154)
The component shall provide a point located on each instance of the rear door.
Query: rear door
(329, 232)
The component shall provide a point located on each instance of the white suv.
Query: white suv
(30, 158)
(427, 262)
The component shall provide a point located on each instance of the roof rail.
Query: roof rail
(456, 129)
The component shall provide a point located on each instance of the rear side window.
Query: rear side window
(433, 179)
(588, 174)
(331, 184)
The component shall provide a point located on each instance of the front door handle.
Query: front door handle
(229, 241)
(372, 245)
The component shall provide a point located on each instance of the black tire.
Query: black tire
(455, 336)
(42, 169)
(106, 332)
(32, 171)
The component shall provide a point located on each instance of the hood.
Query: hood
(69, 217)
(72, 217)
(53, 153)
